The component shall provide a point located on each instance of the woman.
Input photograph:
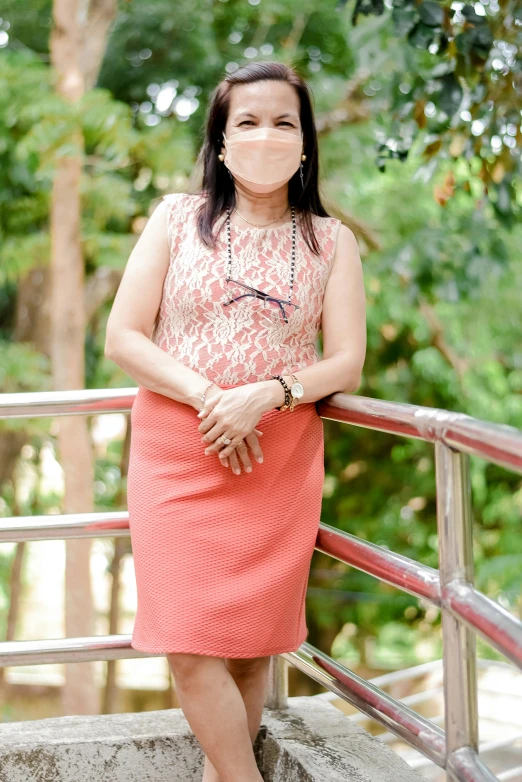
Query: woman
(217, 318)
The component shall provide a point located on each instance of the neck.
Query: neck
(262, 207)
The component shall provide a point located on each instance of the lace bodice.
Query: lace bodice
(236, 344)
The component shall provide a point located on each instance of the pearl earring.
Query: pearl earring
(221, 157)
(303, 157)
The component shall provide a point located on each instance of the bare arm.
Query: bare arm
(343, 327)
(132, 317)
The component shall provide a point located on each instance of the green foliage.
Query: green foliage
(454, 89)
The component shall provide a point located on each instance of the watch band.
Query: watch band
(294, 398)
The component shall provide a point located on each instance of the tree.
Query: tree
(77, 46)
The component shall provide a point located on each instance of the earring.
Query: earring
(301, 175)
(221, 157)
(303, 157)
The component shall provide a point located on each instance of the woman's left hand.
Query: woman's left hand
(233, 412)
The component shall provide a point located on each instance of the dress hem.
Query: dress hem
(207, 653)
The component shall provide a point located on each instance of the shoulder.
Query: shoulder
(327, 229)
(179, 205)
(175, 199)
(347, 255)
(326, 224)
(180, 197)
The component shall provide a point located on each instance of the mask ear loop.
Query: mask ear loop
(301, 166)
(230, 175)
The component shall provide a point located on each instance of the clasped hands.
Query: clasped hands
(234, 413)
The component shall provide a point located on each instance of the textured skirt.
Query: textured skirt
(222, 560)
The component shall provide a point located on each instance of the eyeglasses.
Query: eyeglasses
(273, 308)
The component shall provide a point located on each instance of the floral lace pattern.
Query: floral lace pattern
(237, 344)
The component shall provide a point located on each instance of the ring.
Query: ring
(225, 440)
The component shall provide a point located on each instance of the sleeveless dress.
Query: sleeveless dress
(222, 560)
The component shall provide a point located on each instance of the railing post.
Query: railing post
(456, 564)
(277, 695)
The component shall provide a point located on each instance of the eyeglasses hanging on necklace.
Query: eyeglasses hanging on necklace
(238, 291)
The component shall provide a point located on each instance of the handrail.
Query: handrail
(495, 442)
(498, 443)
(491, 620)
(456, 436)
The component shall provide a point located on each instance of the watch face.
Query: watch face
(297, 390)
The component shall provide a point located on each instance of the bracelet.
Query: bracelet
(286, 403)
(203, 395)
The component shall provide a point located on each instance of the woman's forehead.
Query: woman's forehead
(266, 96)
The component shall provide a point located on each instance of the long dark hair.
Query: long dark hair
(215, 181)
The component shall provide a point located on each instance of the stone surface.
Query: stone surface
(310, 740)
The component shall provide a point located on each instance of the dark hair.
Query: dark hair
(215, 181)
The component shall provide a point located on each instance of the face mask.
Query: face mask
(265, 158)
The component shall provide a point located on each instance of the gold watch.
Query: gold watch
(296, 391)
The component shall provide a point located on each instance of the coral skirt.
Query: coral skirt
(222, 560)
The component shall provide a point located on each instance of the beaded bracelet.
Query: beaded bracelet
(203, 395)
(286, 403)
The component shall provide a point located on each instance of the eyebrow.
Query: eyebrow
(249, 114)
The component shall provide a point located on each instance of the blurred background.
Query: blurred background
(418, 108)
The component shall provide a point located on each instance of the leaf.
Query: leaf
(404, 19)
(451, 94)
(421, 36)
(431, 13)
(367, 7)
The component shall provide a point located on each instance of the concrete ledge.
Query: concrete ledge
(311, 740)
(314, 741)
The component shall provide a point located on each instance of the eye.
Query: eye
(249, 122)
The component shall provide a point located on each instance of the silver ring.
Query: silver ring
(225, 440)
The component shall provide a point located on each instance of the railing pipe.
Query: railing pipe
(69, 650)
(111, 524)
(395, 569)
(418, 731)
(513, 775)
(277, 696)
(498, 443)
(465, 611)
(495, 442)
(486, 617)
(456, 566)
(465, 765)
(493, 622)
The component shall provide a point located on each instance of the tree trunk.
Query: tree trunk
(71, 31)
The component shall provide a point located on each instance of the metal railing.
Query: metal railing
(465, 610)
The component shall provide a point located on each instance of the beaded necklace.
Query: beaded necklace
(292, 263)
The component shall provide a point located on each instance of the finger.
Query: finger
(219, 447)
(207, 415)
(225, 461)
(255, 447)
(211, 438)
(207, 422)
(227, 450)
(210, 403)
(234, 462)
(242, 452)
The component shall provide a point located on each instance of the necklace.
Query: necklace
(260, 226)
(292, 263)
